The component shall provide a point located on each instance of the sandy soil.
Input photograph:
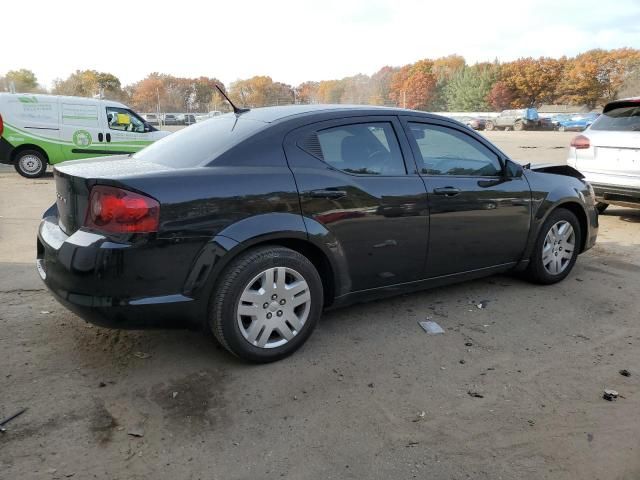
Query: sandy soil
(369, 396)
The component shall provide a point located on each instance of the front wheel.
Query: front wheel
(556, 248)
(489, 126)
(518, 126)
(267, 304)
(30, 164)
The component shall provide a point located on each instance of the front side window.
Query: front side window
(124, 120)
(363, 148)
(447, 151)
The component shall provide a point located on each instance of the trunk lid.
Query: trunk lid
(74, 180)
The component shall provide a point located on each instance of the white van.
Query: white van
(36, 130)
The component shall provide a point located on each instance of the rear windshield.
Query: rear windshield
(623, 118)
(200, 143)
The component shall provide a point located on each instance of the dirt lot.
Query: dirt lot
(369, 396)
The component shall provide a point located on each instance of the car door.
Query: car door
(82, 129)
(126, 132)
(356, 192)
(479, 217)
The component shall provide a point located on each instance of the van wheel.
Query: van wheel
(30, 163)
(267, 304)
(518, 126)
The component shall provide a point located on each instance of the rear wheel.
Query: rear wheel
(30, 163)
(489, 126)
(267, 304)
(556, 248)
(601, 206)
(518, 126)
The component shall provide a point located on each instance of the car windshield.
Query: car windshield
(624, 118)
(200, 143)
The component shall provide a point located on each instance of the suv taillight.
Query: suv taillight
(1, 126)
(114, 210)
(580, 142)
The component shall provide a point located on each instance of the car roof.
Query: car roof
(274, 114)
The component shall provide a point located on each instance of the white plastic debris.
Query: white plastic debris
(432, 328)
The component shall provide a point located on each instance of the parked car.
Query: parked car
(186, 119)
(41, 130)
(577, 123)
(475, 123)
(170, 119)
(521, 119)
(608, 154)
(251, 224)
(151, 118)
(559, 117)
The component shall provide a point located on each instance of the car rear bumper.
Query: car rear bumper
(617, 194)
(113, 284)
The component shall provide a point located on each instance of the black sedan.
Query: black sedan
(252, 223)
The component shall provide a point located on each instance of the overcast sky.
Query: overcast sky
(298, 40)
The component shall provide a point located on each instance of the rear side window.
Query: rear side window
(363, 148)
(624, 117)
(447, 151)
(200, 143)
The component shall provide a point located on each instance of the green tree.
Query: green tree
(468, 89)
(23, 80)
(88, 83)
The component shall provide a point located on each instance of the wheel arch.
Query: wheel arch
(28, 146)
(578, 210)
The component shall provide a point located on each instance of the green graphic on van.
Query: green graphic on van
(27, 99)
(81, 138)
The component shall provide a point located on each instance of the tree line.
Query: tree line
(444, 84)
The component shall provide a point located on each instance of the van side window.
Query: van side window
(124, 120)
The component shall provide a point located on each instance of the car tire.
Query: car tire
(489, 126)
(548, 263)
(278, 322)
(601, 206)
(518, 126)
(30, 163)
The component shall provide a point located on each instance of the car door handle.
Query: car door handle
(108, 137)
(327, 193)
(447, 191)
(100, 137)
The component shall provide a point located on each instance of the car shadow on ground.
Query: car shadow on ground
(626, 214)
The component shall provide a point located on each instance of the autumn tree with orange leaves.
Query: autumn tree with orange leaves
(596, 76)
(533, 81)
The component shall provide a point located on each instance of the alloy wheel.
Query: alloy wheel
(558, 247)
(273, 307)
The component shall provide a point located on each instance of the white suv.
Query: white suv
(608, 154)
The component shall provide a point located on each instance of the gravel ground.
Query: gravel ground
(369, 396)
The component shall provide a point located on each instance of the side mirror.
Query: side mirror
(513, 169)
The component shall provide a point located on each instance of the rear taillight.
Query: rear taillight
(580, 142)
(114, 210)
(1, 126)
